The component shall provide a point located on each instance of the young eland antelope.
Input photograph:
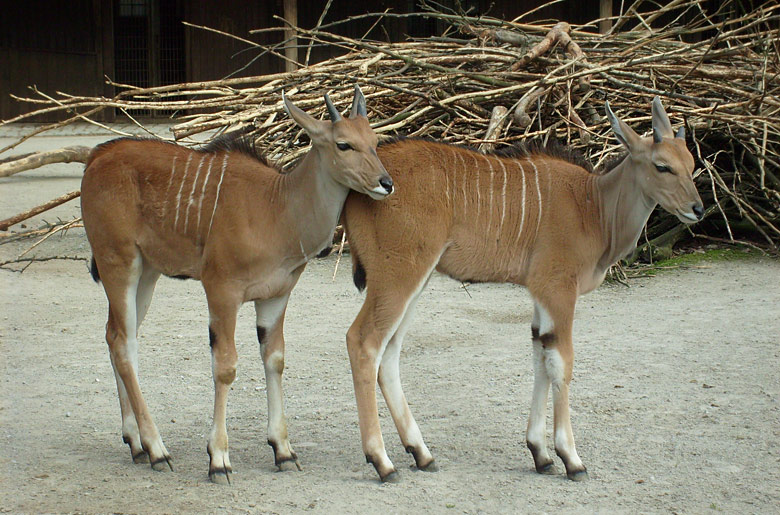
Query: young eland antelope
(536, 220)
(222, 216)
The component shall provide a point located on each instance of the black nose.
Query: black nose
(698, 210)
(387, 183)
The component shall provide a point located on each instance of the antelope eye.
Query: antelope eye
(663, 168)
(343, 146)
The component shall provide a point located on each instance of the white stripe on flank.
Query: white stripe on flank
(447, 180)
(503, 196)
(181, 187)
(465, 176)
(490, 203)
(303, 252)
(538, 194)
(479, 193)
(170, 183)
(192, 192)
(454, 176)
(216, 196)
(522, 201)
(202, 192)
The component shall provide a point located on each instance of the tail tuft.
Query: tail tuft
(93, 269)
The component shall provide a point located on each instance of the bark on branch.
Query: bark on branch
(77, 154)
(8, 222)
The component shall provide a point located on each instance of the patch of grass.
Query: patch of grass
(708, 255)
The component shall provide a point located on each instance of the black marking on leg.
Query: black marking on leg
(534, 333)
(93, 269)
(547, 339)
(261, 334)
(212, 338)
(324, 252)
(359, 274)
(181, 277)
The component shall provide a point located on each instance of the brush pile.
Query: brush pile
(487, 82)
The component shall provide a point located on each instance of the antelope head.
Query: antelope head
(347, 146)
(662, 163)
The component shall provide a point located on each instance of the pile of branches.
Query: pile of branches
(487, 82)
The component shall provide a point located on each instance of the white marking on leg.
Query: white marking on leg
(168, 190)
(216, 195)
(564, 440)
(181, 188)
(536, 434)
(202, 193)
(192, 193)
(538, 195)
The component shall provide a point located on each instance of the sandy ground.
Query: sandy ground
(674, 401)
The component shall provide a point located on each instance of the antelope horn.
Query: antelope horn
(335, 116)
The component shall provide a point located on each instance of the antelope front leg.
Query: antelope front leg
(270, 334)
(222, 325)
(535, 436)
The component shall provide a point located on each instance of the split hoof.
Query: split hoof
(430, 467)
(578, 475)
(220, 476)
(547, 469)
(392, 477)
(141, 457)
(289, 465)
(162, 464)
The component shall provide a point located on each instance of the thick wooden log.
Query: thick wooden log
(74, 154)
(291, 47)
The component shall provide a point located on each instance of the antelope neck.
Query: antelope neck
(624, 210)
(314, 201)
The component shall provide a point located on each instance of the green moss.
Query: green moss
(710, 255)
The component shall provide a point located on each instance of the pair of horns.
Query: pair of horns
(358, 106)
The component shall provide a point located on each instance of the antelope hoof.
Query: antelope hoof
(289, 465)
(163, 463)
(141, 457)
(578, 475)
(547, 468)
(392, 477)
(136, 451)
(220, 476)
(431, 466)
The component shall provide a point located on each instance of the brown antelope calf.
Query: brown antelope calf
(244, 229)
(537, 220)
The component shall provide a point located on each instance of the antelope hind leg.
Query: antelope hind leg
(390, 383)
(123, 286)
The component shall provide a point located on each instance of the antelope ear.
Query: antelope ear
(680, 132)
(358, 104)
(662, 127)
(311, 125)
(624, 133)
